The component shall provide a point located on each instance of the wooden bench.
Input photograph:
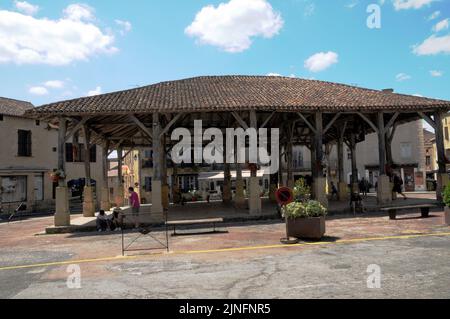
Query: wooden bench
(191, 222)
(424, 209)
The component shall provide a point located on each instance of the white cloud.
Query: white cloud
(436, 73)
(321, 61)
(27, 8)
(434, 15)
(28, 40)
(124, 25)
(97, 91)
(352, 5)
(54, 84)
(441, 25)
(433, 45)
(402, 77)
(78, 12)
(38, 90)
(411, 4)
(273, 74)
(232, 26)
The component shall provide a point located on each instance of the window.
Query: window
(76, 154)
(24, 143)
(38, 122)
(1, 117)
(406, 150)
(428, 160)
(446, 133)
(13, 189)
(148, 184)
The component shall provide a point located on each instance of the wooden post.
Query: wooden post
(157, 205)
(319, 180)
(381, 143)
(343, 189)
(354, 181)
(105, 202)
(120, 193)
(384, 185)
(87, 157)
(443, 178)
(254, 198)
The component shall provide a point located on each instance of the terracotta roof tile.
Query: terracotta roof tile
(14, 107)
(234, 93)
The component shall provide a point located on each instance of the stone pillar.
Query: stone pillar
(62, 213)
(104, 196)
(320, 182)
(384, 186)
(157, 205)
(342, 186)
(442, 176)
(88, 193)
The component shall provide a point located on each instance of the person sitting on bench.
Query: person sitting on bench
(116, 221)
(102, 221)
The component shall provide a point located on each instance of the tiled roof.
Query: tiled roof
(14, 107)
(235, 93)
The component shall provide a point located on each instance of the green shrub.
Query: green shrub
(446, 195)
(302, 192)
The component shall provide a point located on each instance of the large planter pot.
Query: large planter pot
(306, 228)
(447, 216)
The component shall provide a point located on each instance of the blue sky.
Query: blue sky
(59, 50)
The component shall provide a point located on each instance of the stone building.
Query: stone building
(29, 155)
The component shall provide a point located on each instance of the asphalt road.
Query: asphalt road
(410, 268)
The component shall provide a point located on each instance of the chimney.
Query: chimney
(388, 90)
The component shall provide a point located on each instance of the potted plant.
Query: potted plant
(446, 198)
(305, 218)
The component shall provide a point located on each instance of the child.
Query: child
(102, 221)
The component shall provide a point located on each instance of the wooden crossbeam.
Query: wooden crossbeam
(268, 120)
(392, 121)
(368, 121)
(170, 124)
(331, 123)
(312, 128)
(141, 126)
(428, 119)
(239, 119)
(78, 126)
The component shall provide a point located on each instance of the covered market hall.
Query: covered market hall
(310, 113)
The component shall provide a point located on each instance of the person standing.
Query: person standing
(135, 206)
(398, 185)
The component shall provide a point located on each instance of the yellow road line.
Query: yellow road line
(246, 248)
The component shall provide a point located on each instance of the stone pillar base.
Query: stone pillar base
(104, 203)
(343, 192)
(254, 200)
(88, 202)
(320, 184)
(442, 182)
(384, 190)
(62, 213)
(157, 205)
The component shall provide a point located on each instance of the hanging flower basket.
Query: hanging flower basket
(56, 176)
